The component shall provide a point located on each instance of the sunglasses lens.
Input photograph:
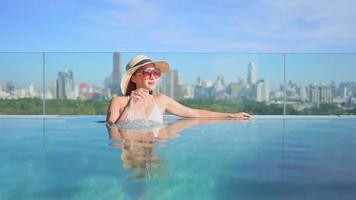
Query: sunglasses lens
(148, 71)
(157, 73)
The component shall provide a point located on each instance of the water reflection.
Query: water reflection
(139, 145)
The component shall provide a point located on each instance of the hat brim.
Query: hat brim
(162, 65)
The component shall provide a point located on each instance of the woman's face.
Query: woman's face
(146, 77)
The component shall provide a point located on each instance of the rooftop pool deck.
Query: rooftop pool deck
(268, 157)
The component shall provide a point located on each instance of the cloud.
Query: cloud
(129, 13)
(318, 22)
(264, 25)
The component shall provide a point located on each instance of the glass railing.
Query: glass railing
(265, 84)
(21, 83)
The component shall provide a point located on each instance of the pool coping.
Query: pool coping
(175, 117)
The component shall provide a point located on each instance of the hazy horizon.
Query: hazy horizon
(93, 68)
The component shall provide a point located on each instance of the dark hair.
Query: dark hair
(131, 87)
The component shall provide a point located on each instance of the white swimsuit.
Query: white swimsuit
(155, 116)
(155, 119)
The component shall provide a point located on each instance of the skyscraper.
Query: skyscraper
(251, 76)
(188, 91)
(203, 89)
(325, 94)
(199, 81)
(65, 84)
(9, 87)
(83, 88)
(219, 87)
(262, 91)
(116, 75)
(219, 84)
(53, 89)
(343, 90)
(32, 91)
(303, 95)
(321, 94)
(170, 85)
(315, 94)
(233, 89)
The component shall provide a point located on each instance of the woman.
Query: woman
(137, 85)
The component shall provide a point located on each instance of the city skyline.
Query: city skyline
(252, 86)
(299, 97)
(93, 68)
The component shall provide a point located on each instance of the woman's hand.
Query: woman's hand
(139, 94)
(241, 115)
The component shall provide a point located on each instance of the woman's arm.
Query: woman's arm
(113, 110)
(176, 108)
(124, 112)
(114, 114)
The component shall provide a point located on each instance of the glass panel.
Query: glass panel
(80, 83)
(222, 82)
(21, 83)
(219, 82)
(321, 84)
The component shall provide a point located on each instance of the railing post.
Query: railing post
(44, 84)
(285, 84)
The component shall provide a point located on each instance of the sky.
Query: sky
(194, 36)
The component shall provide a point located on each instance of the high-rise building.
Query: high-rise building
(203, 89)
(84, 91)
(203, 92)
(251, 76)
(10, 87)
(75, 92)
(325, 94)
(116, 75)
(262, 91)
(303, 93)
(199, 81)
(170, 85)
(208, 83)
(83, 88)
(219, 87)
(107, 81)
(314, 94)
(233, 89)
(32, 91)
(343, 91)
(333, 86)
(53, 89)
(320, 94)
(65, 84)
(188, 92)
(349, 102)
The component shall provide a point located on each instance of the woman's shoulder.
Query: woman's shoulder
(119, 99)
(161, 101)
(160, 97)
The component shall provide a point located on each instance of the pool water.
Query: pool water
(78, 157)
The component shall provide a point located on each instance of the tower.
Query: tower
(262, 91)
(116, 74)
(251, 76)
(65, 84)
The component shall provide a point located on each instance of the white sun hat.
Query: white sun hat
(137, 62)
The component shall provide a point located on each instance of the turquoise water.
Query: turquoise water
(266, 158)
